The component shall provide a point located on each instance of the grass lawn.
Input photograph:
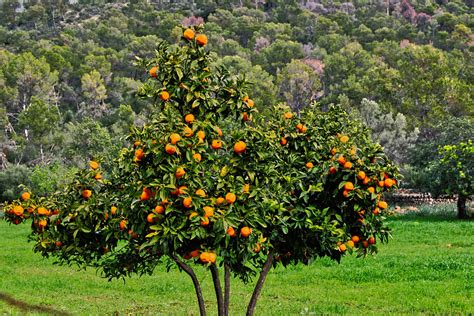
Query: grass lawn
(428, 267)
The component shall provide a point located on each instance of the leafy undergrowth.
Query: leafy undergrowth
(426, 268)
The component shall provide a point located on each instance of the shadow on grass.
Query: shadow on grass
(25, 307)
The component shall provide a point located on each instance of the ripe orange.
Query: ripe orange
(208, 211)
(58, 244)
(197, 157)
(299, 127)
(371, 240)
(86, 194)
(240, 147)
(180, 172)
(204, 257)
(288, 115)
(245, 117)
(349, 186)
(216, 144)
(361, 175)
(187, 202)
(344, 139)
(382, 204)
(150, 218)
(193, 214)
(123, 224)
(350, 243)
(333, 151)
(201, 193)
(371, 189)
(189, 118)
(139, 154)
(345, 193)
(182, 189)
(153, 71)
(230, 197)
(309, 165)
(165, 96)
(93, 164)
(304, 129)
(355, 239)
(283, 141)
(231, 232)
(219, 131)
(341, 160)
(365, 243)
(174, 138)
(220, 200)
(201, 39)
(146, 194)
(347, 165)
(245, 231)
(388, 182)
(159, 209)
(188, 34)
(212, 257)
(246, 188)
(25, 196)
(250, 103)
(376, 211)
(342, 248)
(113, 210)
(366, 180)
(43, 211)
(332, 170)
(18, 210)
(381, 184)
(170, 149)
(188, 132)
(43, 223)
(201, 134)
(194, 253)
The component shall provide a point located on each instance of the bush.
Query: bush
(10, 181)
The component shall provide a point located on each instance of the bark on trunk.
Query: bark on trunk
(218, 289)
(463, 211)
(226, 289)
(197, 286)
(258, 287)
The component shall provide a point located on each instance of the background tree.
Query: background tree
(298, 84)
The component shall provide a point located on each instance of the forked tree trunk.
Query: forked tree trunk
(226, 289)
(463, 210)
(258, 287)
(218, 289)
(197, 286)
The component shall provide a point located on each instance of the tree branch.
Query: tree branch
(218, 289)
(197, 286)
(226, 289)
(258, 287)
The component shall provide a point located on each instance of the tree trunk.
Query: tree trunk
(197, 286)
(258, 287)
(226, 289)
(218, 289)
(463, 211)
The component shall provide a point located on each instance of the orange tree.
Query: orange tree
(210, 182)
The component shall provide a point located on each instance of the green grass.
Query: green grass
(426, 268)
